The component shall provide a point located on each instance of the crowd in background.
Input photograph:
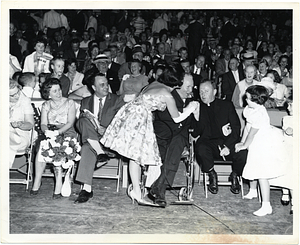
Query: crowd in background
(174, 28)
(81, 53)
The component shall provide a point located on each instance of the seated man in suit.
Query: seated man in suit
(199, 73)
(75, 52)
(111, 64)
(103, 106)
(101, 62)
(222, 63)
(182, 55)
(59, 45)
(231, 78)
(171, 138)
(219, 129)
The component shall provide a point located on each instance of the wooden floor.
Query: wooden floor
(111, 217)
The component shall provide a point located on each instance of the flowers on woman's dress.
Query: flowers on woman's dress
(60, 150)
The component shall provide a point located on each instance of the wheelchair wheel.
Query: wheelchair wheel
(183, 196)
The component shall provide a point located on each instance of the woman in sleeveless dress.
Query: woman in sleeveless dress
(131, 131)
(58, 114)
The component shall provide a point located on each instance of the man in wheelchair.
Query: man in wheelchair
(171, 138)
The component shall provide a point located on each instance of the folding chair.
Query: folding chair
(27, 153)
(110, 170)
(223, 170)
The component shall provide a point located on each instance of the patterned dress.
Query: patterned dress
(131, 131)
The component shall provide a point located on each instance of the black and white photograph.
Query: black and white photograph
(149, 122)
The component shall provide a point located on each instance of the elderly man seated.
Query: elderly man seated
(21, 121)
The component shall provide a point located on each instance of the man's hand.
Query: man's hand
(226, 129)
(225, 151)
(196, 112)
(101, 130)
(87, 115)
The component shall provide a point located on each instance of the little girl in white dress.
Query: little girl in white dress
(265, 160)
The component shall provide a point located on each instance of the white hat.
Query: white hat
(100, 58)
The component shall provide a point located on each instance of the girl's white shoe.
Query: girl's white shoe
(264, 210)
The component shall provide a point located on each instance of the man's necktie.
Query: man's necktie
(100, 109)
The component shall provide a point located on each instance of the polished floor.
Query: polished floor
(110, 216)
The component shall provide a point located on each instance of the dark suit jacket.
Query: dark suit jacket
(166, 129)
(113, 80)
(81, 56)
(197, 80)
(228, 83)
(115, 67)
(168, 122)
(196, 32)
(111, 105)
(224, 112)
(61, 49)
(228, 32)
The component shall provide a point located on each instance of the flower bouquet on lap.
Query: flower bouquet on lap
(61, 151)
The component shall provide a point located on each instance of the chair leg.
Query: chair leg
(205, 183)
(258, 192)
(242, 186)
(29, 172)
(120, 168)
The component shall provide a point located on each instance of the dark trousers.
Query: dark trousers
(207, 151)
(88, 159)
(171, 151)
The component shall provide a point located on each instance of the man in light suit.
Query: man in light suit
(103, 106)
(222, 63)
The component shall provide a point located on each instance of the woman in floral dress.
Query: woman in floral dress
(131, 131)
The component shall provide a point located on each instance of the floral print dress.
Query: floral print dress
(131, 131)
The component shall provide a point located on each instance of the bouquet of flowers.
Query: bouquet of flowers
(60, 150)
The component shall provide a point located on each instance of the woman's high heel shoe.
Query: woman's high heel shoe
(285, 199)
(139, 200)
(56, 196)
(35, 192)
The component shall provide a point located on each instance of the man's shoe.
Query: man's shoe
(235, 185)
(161, 202)
(84, 196)
(213, 182)
(102, 158)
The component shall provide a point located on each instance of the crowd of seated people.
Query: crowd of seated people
(124, 51)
